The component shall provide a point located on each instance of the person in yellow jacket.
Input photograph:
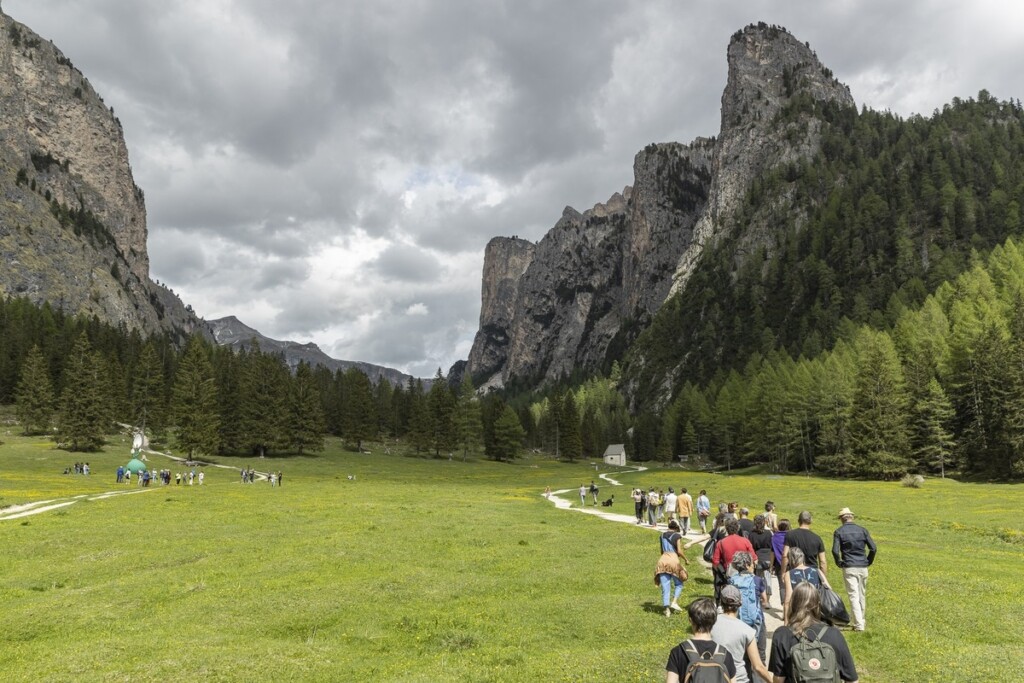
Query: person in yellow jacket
(684, 510)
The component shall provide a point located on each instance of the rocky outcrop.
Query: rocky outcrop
(596, 279)
(768, 70)
(72, 220)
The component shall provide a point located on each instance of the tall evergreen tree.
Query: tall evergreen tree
(147, 391)
(878, 415)
(34, 395)
(419, 417)
(569, 426)
(508, 435)
(264, 392)
(83, 418)
(468, 426)
(194, 401)
(931, 417)
(359, 418)
(305, 425)
(441, 404)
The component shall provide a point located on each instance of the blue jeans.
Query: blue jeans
(667, 581)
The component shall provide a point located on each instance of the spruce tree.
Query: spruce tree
(359, 412)
(34, 395)
(305, 412)
(419, 417)
(442, 416)
(468, 426)
(508, 435)
(83, 417)
(931, 417)
(194, 401)
(569, 426)
(147, 392)
(878, 414)
(264, 390)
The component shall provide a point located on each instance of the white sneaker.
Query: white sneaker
(668, 612)
(675, 606)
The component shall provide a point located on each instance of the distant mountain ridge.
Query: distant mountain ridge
(230, 331)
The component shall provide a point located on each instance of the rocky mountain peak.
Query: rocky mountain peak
(767, 68)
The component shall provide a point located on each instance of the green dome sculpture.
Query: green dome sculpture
(135, 466)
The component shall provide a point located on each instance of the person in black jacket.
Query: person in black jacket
(854, 551)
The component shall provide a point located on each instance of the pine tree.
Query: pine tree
(305, 412)
(359, 416)
(442, 415)
(83, 417)
(34, 394)
(419, 417)
(264, 390)
(878, 414)
(931, 416)
(194, 401)
(569, 426)
(147, 392)
(508, 435)
(468, 426)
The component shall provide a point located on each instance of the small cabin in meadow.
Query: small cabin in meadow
(615, 454)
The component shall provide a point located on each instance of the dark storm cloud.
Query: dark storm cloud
(336, 168)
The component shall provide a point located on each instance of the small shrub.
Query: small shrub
(913, 481)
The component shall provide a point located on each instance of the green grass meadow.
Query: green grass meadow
(437, 570)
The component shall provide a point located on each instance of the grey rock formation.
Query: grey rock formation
(72, 220)
(230, 331)
(768, 68)
(576, 300)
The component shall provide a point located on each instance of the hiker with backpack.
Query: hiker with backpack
(670, 571)
(798, 572)
(755, 598)
(738, 638)
(807, 649)
(700, 659)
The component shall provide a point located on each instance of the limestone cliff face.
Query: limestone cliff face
(768, 68)
(505, 261)
(596, 279)
(72, 220)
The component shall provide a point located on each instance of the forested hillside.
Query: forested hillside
(888, 211)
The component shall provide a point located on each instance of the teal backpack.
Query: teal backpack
(750, 610)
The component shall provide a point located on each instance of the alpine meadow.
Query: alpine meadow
(817, 312)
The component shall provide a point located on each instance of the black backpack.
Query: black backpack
(707, 667)
(812, 660)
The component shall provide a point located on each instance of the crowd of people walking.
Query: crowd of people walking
(728, 639)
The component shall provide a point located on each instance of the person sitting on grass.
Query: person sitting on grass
(703, 615)
(670, 571)
(808, 643)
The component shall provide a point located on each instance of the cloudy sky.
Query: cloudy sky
(331, 170)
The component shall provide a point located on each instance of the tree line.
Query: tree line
(74, 377)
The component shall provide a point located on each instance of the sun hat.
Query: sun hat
(845, 512)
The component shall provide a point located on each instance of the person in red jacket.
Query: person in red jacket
(729, 546)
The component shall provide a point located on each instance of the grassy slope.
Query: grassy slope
(429, 570)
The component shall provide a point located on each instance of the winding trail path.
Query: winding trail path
(773, 615)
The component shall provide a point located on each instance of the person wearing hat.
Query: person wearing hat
(854, 550)
(737, 638)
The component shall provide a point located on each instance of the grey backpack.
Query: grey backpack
(812, 661)
(706, 667)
